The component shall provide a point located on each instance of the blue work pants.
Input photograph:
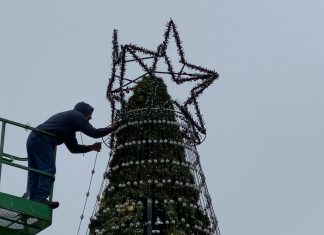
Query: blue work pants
(41, 156)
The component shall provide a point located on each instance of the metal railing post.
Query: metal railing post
(52, 189)
(8, 159)
(3, 127)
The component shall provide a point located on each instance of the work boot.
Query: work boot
(52, 205)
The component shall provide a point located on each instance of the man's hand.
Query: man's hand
(96, 147)
(114, 126)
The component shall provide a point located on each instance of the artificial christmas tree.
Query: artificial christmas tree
(155, 183)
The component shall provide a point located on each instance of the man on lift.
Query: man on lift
(41, 148)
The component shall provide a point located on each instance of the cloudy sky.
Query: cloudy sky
(263, 156)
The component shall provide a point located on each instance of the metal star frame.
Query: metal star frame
(119, 85)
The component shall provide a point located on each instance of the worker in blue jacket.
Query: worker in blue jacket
(41, 147)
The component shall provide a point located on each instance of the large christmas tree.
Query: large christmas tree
(151, 163)
(154, 182)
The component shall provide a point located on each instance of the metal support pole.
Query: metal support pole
(149, 216)
(2, 144)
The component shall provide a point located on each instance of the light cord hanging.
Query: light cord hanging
(88, 193)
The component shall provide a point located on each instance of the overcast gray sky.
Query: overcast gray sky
(263, 156)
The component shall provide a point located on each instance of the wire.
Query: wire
(88, 193)
(104, 141)
(81, 141)
(102, 186)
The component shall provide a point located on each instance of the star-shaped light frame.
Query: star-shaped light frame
(119, 84)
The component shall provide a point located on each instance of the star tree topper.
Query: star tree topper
(119, 85)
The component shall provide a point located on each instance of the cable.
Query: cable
(88, 193)
(104, 141)
(81, 141)
(102, 184)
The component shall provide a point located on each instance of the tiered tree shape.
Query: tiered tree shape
(153, 159)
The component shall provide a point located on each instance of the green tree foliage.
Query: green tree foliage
(150, 162)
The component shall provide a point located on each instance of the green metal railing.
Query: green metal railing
(9, 159)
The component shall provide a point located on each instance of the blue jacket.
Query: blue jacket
(65, 124)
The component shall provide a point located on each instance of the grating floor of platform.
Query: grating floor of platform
(22, 217)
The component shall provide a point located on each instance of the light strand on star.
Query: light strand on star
(203, 76)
